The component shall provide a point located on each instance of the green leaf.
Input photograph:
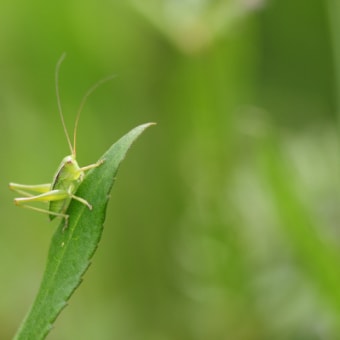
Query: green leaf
(72, 249)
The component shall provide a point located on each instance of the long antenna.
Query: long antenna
(82, 103)
(61, 59)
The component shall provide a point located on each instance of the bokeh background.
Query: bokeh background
(224, 220)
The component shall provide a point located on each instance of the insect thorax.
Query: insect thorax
(68, 175)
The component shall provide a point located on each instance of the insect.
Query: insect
(69, 175)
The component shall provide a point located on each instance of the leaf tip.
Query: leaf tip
(146, 125)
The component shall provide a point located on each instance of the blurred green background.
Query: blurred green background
(224, 220)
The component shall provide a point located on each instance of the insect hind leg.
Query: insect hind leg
(28, 190)
(45, 211)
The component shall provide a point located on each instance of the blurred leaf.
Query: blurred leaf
(192, 25)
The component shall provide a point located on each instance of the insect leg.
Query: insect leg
(53, 195)
(82, 200)
(45, 211)
(91, 166)
(26, 190)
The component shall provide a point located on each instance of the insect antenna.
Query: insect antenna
(61, 59)
(81, 106)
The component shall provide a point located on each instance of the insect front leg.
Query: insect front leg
(91, 166)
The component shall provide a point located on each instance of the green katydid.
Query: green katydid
(69, 175)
